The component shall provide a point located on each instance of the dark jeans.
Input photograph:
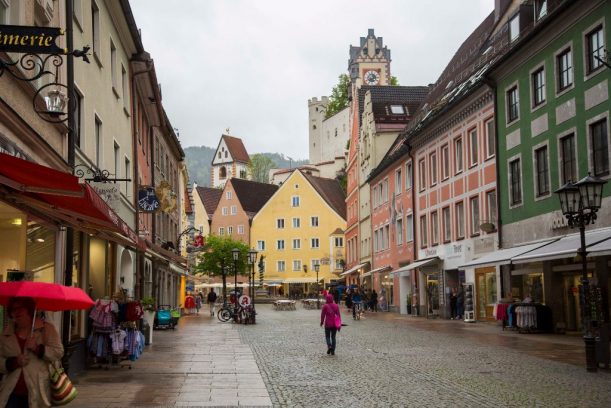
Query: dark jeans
(17, 401)
(330, 333)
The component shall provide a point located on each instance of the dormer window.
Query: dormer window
(514, 28)
(397, 109)
(540, 9)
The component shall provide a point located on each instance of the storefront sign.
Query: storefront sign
(33, 40)
(167, 197)
(109, 192)
(147, 200)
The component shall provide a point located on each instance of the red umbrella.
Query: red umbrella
(48, 296)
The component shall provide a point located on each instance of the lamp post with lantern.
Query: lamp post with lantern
(317, 269)
(236, 255)
(579, 203)
(252, 259)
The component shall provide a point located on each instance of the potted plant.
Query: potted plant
(148, 304)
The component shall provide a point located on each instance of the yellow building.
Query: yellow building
(300, 227)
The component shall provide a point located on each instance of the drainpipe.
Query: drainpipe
(415, 238)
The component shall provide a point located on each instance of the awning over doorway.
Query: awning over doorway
(29, 177)
(504, 256)
(299, 280)
(565, 247)
(382, 269)
(353, 269)
(416, 264)
(600, 249)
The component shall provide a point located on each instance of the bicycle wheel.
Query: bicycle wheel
(224, 315)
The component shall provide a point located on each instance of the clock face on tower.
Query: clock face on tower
(372, 77)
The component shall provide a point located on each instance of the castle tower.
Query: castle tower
(316, 115)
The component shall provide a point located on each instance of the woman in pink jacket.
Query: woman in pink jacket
(331, 318)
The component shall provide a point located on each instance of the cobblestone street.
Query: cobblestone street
(383, 360)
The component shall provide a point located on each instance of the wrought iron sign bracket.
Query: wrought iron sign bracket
(96, 175)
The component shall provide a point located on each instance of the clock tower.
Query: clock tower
(369, 63)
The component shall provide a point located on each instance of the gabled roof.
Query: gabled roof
(252, 194)
(210, 198)
(236, 148)
(383, 96)
(330, 191)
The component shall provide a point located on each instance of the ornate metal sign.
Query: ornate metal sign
(147, 200)
(36, 40)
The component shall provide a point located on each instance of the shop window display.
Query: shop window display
(531, 285)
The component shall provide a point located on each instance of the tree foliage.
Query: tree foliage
(394, 81)
(217, 254)
(259, 167)
(339, 96)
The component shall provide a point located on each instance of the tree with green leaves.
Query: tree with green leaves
(339, 96)
(218, 257)
(259, 167)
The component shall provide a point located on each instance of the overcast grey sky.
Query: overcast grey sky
(252, 65)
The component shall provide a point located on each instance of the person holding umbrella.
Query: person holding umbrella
(27, 346)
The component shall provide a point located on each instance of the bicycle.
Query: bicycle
(225, 313)
(357, 310)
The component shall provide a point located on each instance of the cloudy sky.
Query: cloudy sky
(252, 65)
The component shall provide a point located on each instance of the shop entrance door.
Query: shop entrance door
(432, 295)
(486, 296)
(570, 302)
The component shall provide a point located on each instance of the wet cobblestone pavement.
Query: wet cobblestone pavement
(384, 360)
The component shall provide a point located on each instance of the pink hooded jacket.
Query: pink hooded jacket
(328, 313)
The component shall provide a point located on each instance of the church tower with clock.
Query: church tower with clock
(369, 63)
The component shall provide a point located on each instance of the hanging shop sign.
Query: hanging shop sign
(198, 241)
(109, 192)
(167, 197)
(147, 200)
(34, 40)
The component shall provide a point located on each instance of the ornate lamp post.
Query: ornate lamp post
(236, 255)
(579, 203)
(317, 269)
(252, 259)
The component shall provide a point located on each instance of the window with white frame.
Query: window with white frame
(385, 190)
(229, 230)
(540, 9)
(296, 222)
(113, 66)
(280, 265)
(538, 86)
(240, 229)
(408, 175)
(491, 204)
(433, 164)
(513, 104)
(434, 228)
(458, 155)
(447, 226)
(399, 231)
(339, 242)
(95, 29)
(280, 223)
(423, 232)
(125, 93)
(295, 201)
(459, 208)
(224, 210)
(398, 181)
(260, 245)
(315, 243)
(376, 240)
(409, 228)
(568, 160)
(515, 182)
(514, 28)
(229, 195)
(599, 145)
(296, 243)
(296, 265)
(313, 263)
(221, 231)
(541, 171)
(280, 244)
(473, 147)
(314, 221)
(234, 209)
(445, 162)
(386, 236)
(474, 204)
(564, 69)
(595, 49)
(422, 167)
(490, 138)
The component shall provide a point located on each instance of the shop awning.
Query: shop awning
(601, 249)
(29, 177)
(382, 269)
(503, 256)
(565, 247)
(417, 264)
(353, 269)
(299, 280)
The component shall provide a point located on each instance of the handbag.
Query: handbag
(62, 389)
(338, 322)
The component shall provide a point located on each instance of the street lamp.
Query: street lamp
(252, 259)
(235, 252)
(317, 269)
(305, 271)
(579, 203)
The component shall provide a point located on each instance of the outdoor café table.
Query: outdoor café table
(284, 304)
(310, 303)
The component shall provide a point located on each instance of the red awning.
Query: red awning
(26, 176)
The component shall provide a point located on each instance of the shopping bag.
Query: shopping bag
(62, 389)
(338, 322)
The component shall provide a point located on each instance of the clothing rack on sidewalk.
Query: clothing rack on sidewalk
(530, 317)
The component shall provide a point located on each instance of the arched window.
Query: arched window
(223, 173)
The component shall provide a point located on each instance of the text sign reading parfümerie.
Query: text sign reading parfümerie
(34, 40)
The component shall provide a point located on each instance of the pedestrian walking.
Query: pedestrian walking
(25, 353)
(454, 304)
(374, 301)
(460, 302)
(198, 303)
(331, 318)
(211, 301)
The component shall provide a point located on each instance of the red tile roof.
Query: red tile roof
(331, 191)
(252, 194)
(210, 198)
(236, 149)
